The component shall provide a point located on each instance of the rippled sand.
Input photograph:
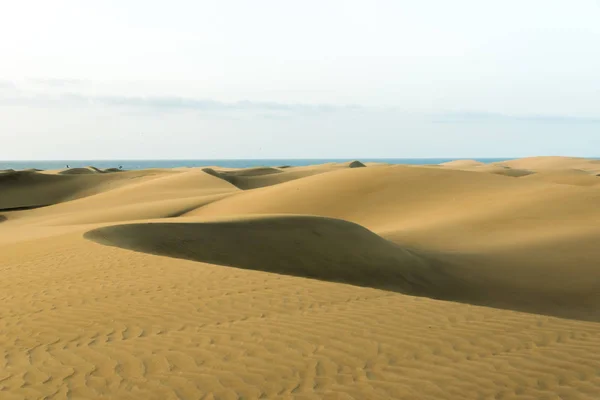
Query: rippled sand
(335, 281)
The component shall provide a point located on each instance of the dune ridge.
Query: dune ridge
(384, 281)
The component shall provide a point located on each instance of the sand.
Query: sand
(458, 281)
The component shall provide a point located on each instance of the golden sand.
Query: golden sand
(334, 281)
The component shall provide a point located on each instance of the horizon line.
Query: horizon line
(292, 158)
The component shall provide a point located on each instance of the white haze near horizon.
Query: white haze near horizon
(312, 79)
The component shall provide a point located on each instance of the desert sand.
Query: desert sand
(337, 281)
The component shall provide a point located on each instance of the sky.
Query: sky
(151, 79)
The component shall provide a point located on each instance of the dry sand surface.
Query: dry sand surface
(335, 281)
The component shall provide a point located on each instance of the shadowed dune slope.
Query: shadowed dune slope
(80, 171)
(506, 240)
(28, 189)
(312, 247)
(254, 171)
(253, 178)
(527, 277)
(554, 275)
(154, 195)
(155, 209)
(575, 177)
(491, 169)
(356, 164)
(514, 172)
(567, 265)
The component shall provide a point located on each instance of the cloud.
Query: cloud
(56, 83)
(12, 94)
(180, 103)
(474, 116)
(161, 103)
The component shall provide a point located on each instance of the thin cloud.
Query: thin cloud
(177, 103)
(10, 94)
(474, 117)
(162, 103)
(56, 83)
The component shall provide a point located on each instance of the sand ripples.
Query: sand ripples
(81, 320)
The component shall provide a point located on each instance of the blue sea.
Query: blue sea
(240, 163)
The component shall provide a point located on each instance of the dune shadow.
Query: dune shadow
(333, 250)
(24, 208)
(243, 178)
(356, 164)
(310, 247)
(80, 171)
(257, 177)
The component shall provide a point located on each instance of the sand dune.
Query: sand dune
(253, 178)
(455, 281)
(514, 172)
(155, 209)
(356, 164)
(21, 189)
(553, 163)
(80, 171)
(313, 247)
(459, 212)
(112, 170)
(568, 177)
(370, 196)
(83, 171)
(146, 195)
(250, 179)
(491, 169)
(462, 163)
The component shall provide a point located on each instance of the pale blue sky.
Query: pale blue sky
(277, 79)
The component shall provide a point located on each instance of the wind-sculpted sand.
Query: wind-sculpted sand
(459, 281)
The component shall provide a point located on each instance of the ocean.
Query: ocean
(239, 163)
